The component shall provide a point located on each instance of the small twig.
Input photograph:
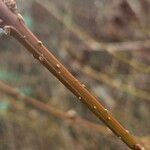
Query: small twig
(14, 26)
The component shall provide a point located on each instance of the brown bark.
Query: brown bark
(69, 117)
(14, 26)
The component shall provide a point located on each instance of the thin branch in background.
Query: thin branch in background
(136, 45)
(70, 116)
(95, 45)
(105, 78)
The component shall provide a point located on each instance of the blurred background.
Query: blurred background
(106, 45)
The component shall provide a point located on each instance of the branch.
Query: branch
(14, 26)
(96, 46)
(113, 83)
(89, 41)
(69, 116)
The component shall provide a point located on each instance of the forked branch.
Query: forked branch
(15, 26)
